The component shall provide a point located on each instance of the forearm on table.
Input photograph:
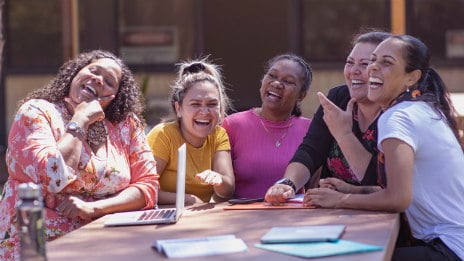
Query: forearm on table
(129, 199)
(166, 197)
(365, 189)
(382, 200)
(357, 156)
(298, 173)
(226, 189)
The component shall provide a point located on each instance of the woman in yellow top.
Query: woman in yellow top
(199, 102)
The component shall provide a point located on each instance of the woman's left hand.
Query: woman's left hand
(323, 197)
(73, 207)
(210, 177)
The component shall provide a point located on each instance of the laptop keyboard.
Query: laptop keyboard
(156, 214)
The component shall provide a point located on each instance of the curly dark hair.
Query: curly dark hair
(128, 100)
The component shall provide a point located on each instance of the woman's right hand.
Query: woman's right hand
(88, 111)
(279, 193)
(336, 184)
(338, 121)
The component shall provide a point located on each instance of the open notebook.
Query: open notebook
(156, 216)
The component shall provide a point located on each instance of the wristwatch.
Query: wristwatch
(286, 181)
(74, 127)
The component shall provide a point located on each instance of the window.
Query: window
(439, 25)
(329, 26)
(155, 34)
(148, 34)
(33, 39)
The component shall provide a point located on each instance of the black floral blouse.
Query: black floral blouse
(319, 147)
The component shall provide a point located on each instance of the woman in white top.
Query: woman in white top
(421, 153)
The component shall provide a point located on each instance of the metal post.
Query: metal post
(398, 16)
(70, 16)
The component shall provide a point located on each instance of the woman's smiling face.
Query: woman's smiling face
(355, 70)
(281, 86)
(199, 111)
(387, 73)
(100, 79)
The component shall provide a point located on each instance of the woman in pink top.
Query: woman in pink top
(82, 139)
(264, 139)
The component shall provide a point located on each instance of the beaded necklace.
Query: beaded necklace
(96, 133)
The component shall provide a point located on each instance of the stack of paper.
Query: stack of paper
(200, 246)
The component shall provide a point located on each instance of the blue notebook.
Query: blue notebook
(320, 249)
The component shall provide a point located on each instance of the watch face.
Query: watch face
(72, 125)
(283, 181)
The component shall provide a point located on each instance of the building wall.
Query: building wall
(157, 96)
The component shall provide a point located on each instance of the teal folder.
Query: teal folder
(320, 249)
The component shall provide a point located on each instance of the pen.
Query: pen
(244, 200)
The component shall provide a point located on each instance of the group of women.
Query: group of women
(386, 140)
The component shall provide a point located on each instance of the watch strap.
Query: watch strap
(74, 127)
(288, 182)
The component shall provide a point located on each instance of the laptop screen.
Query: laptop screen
(180, 184)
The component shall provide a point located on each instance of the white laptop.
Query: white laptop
(156, 216)
(299, 234)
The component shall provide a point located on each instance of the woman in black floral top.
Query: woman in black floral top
(343, 134)
(336, 165)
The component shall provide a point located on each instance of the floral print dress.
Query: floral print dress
(33, 156)
(337, 165)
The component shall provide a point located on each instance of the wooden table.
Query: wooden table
(95, 242)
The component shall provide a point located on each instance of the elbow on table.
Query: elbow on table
(399, 208)
(398, 205)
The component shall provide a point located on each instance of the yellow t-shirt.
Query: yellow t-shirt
(164, 140)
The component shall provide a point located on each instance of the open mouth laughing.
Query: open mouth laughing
(90, 89)
(357, 82)
(375, 83)
(203, 122)
(273, 95)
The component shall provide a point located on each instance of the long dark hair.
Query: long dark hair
(430, 85)
(128, 100)
(307, 74)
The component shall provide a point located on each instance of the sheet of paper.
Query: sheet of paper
(320, 249)
(297, 199)
(204, 246)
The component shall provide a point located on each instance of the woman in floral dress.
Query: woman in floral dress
(81, 137)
